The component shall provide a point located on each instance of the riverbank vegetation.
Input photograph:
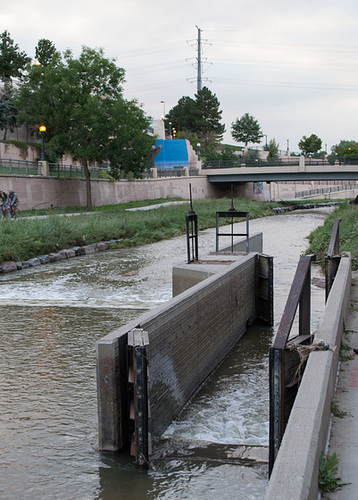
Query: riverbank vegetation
(26, 238)
(348, 233)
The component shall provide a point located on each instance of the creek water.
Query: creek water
(51, 317)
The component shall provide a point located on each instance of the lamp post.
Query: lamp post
(198, 151)
(42, 129)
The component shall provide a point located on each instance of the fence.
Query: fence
(332, 259)
(243, 162)
(77, 171)
(19, 167)
(285, 366)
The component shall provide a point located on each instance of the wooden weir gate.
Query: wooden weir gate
(285, 365)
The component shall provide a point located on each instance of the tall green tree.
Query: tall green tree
(45, 51)
(310, 145)
(80, 102)
(199, 117)
(12, 65)
(246, 129)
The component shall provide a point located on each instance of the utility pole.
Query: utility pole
(199, 81)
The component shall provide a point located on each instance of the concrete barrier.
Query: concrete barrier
(188, 338)
(186, 275)
(295, 473)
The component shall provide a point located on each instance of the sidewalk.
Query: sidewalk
(344, 432)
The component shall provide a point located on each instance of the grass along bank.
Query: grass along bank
(28, 238)
(348, 233)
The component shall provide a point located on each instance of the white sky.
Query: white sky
(292, 65)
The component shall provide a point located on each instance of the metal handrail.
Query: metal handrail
(333, 258)
(299, 297)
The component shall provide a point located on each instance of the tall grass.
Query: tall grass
(348, 233)
(27, 238)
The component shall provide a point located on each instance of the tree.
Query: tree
(12, 65)
(81, 103)
(45, 51)
(246, 130)
(272, 149)
(12, 61)
(345, 149)
(310, 145)
(199, 117)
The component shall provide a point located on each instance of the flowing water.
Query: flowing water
(51, 317)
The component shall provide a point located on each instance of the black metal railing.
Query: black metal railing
(333, 258)
(19, 167)
(285, 367)
(242, 162)
(77, 171)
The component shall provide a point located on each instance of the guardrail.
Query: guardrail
(19, 167)
(77, 171)
(333, 258)
(285, 367)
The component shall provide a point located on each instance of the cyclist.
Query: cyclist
(3, 200)
(12, 202)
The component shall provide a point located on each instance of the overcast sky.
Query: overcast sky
(292, 65)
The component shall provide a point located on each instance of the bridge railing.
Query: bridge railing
(242, 162)
(285, 366)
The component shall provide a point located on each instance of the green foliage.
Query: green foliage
(252, 155)
(12, 65)
(246, 130)
(344, 348)
(348, 231)
(31, 238)
(199, 117)
(337, 412)
(81, 103)
(345, 149)
(12, 60)
(45, 51)
(310, 145)
(328, 480)
(272, 149)
(225, 154)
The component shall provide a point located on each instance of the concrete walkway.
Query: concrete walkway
(344, 432)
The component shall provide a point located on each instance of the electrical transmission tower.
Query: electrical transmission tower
(199, 80)
(199, 61)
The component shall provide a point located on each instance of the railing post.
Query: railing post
(332, 258)
(299, 296)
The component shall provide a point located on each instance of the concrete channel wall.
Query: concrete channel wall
(189, 336)
(295, 473)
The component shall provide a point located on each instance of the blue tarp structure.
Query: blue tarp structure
(173, 153)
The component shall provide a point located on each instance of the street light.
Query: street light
(198, 151)
(42, 129)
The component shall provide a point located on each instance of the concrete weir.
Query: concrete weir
(188, 336)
